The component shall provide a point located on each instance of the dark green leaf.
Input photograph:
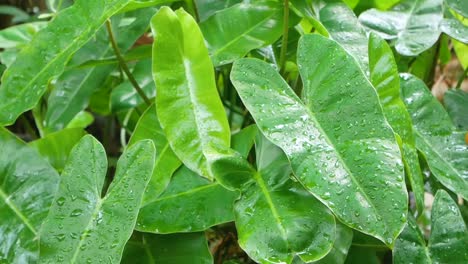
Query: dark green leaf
(82, 226)
(458, 5)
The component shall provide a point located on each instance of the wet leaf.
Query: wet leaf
(456, 103)
(343, 154)
(444, 148)
(188, 105)
(28, 185)
(455, 29)
(458, 5)
(82, 226)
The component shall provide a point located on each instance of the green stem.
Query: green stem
(460, 80)
(284, 43)
(123, 64)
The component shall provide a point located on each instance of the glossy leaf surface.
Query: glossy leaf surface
(168, 249)
(343, 26)
(456, 103)
(27, 187)
(343, 240)
(444, 148)
(75, 86)
(82, 226)
(18, 36)
(207, 8)
(333, 165)
(458, 5)
(448, 239)
(55, 147)
(413, 24)
(277, 218)
(189, 108)
(165, 163)
(190, 203)
(384, 77)
(227, 39)
(455, 29)
(24, 82)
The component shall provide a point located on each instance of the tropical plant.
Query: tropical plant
(203, 131)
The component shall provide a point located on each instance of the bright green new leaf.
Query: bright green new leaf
(456, 103)
(444, 148)
(384, 76)
(55, 147)
(413, 24)
(189, 204)
(139, 4)
(26, 80)
(343, 26)
(82, 120)
(27, 187)
(74, 87)
(345, 155)
(448, 239)
(168, 249)
(455, 29)
(461, 50)
(187, 101)
(227, 39)
(276, 218)
(166, 162)
(82, 226)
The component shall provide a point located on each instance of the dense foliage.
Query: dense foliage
(236, 131)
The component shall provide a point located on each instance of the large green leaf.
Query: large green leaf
(455, 29)
(26, 80)
(456, 103)
(189, 204)
(27, 187)
(187, 101)
(167, 249)
(276, 218)
(458, 5)
(413, 24)
(227, 39)
(207, 8)
(55, 147)
(343, 26)
(20, 35)
(384, 76)
(345, 155)
(448, 239)
(82, 226)
(166, 162)
(444, 148)
(75, 86)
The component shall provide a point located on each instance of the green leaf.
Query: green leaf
(243, 141)
(448, 239)
(455, 29)
(124, 96)
(359, 255)
(343, 26)
(27, 187)
(444, 148)
(276, 218)
(189, 204)
(343, 240)
(458, 5)
(82, 120)
(461, 50)
(227, 39)
(165, 163)
(456, 103)
(384, 77)
(168, 249)
(139, 4)
(207, 8)
(20, 35)
(335, 148)
(82, 226)
(187, 101)
(18, 14)
(413, 24)
(26, 80)
(75, 86)
(55, 147)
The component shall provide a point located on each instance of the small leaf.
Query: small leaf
(27, 187)
(187, 101)
(189, 204)
(436, 137)
(168, 249)
(413, 24)
(165, 163)
(227, 39)
(82, 226)
(26, 80)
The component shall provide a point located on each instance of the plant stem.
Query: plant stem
(123, 64)
(284, 43)
(462, 77)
